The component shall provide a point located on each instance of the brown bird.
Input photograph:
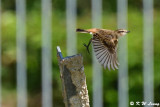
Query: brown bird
(105, 45)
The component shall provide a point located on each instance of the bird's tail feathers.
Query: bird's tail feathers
(82, 31)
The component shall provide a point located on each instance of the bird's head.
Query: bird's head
(121, 32)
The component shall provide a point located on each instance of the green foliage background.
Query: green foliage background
(109, 21)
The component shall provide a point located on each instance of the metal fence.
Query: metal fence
(46, 6)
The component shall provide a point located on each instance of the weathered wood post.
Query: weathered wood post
(73, 79)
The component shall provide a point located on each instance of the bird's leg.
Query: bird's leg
(87, 46)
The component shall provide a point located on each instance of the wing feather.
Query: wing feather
(104, 56)
(99, 51)
(100, 54)
(106, 62)
(104, 59)
(115, 65)
(112, 62)
(109, 62)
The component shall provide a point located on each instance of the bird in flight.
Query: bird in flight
(105, 45)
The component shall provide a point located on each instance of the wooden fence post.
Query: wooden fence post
(73, 79)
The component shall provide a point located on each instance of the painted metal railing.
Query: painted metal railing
(46, 6)
(122, 6)
(148, 69)
(97, 75)
(21, 53)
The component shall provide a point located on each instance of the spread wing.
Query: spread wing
(107, 56)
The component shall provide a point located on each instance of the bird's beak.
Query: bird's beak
(128, 31)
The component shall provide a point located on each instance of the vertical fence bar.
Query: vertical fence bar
(122, 6)
(0, 60)
(148, 51)
(21, 53)
(97, 69)
(71, 9)
(46, 53)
